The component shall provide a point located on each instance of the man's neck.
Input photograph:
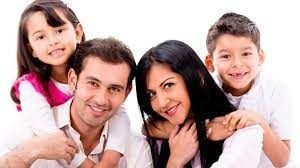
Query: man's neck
(89, 136)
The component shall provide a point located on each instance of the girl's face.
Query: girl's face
(168, 94)
(52, 45)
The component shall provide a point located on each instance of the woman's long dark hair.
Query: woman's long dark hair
(207, 99)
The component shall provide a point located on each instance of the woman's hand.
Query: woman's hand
(183, 144)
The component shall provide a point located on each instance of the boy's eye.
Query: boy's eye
(168, 85)
(246, 54)
(225, 56)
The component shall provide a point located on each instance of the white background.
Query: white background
(143, 24)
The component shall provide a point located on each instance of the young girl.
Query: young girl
(47, 37)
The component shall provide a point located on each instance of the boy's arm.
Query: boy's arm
(277, 150)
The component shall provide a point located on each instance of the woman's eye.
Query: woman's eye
(168, 85)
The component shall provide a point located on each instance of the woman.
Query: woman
(173, 84)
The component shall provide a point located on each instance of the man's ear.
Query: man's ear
(262, 57)
(72, 79)
(209, 63)
(127, 91)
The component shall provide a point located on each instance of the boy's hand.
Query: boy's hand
(215, 130)
(241, 118)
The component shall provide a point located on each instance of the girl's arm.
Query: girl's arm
(36, 110)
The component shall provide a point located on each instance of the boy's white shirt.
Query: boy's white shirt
(271, 100)
(38, 115)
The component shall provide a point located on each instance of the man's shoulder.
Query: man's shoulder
(136, 143)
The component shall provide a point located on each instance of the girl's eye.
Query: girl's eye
(60, 30)
(40, 37)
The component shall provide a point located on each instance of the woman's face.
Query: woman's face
(168, 94)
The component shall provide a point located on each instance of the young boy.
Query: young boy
(234, 53)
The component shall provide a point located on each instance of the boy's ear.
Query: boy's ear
(79, 33)
(209, 63)
(72, 79)
(261, 55)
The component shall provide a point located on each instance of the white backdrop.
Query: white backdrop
(143, 24)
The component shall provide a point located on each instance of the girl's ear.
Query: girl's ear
(209, 63)
(72, 79)
(31, 51)
(79, 32)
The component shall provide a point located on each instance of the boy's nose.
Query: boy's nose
(236, 62)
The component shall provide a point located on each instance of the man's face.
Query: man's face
(99, 90)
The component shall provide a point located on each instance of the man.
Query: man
(101, 75)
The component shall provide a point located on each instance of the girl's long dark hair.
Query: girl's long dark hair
(25, 61)
(207, 99)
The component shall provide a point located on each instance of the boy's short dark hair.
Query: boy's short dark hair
(232, 24)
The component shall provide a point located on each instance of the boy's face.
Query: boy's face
(237, 62)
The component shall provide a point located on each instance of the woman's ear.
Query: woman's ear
(209, 63)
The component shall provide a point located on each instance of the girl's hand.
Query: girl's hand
(183, 144)
(52, 146)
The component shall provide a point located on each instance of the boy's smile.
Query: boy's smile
(237, 62)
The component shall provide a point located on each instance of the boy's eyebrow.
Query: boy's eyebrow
(222, 50)
(247, 48)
